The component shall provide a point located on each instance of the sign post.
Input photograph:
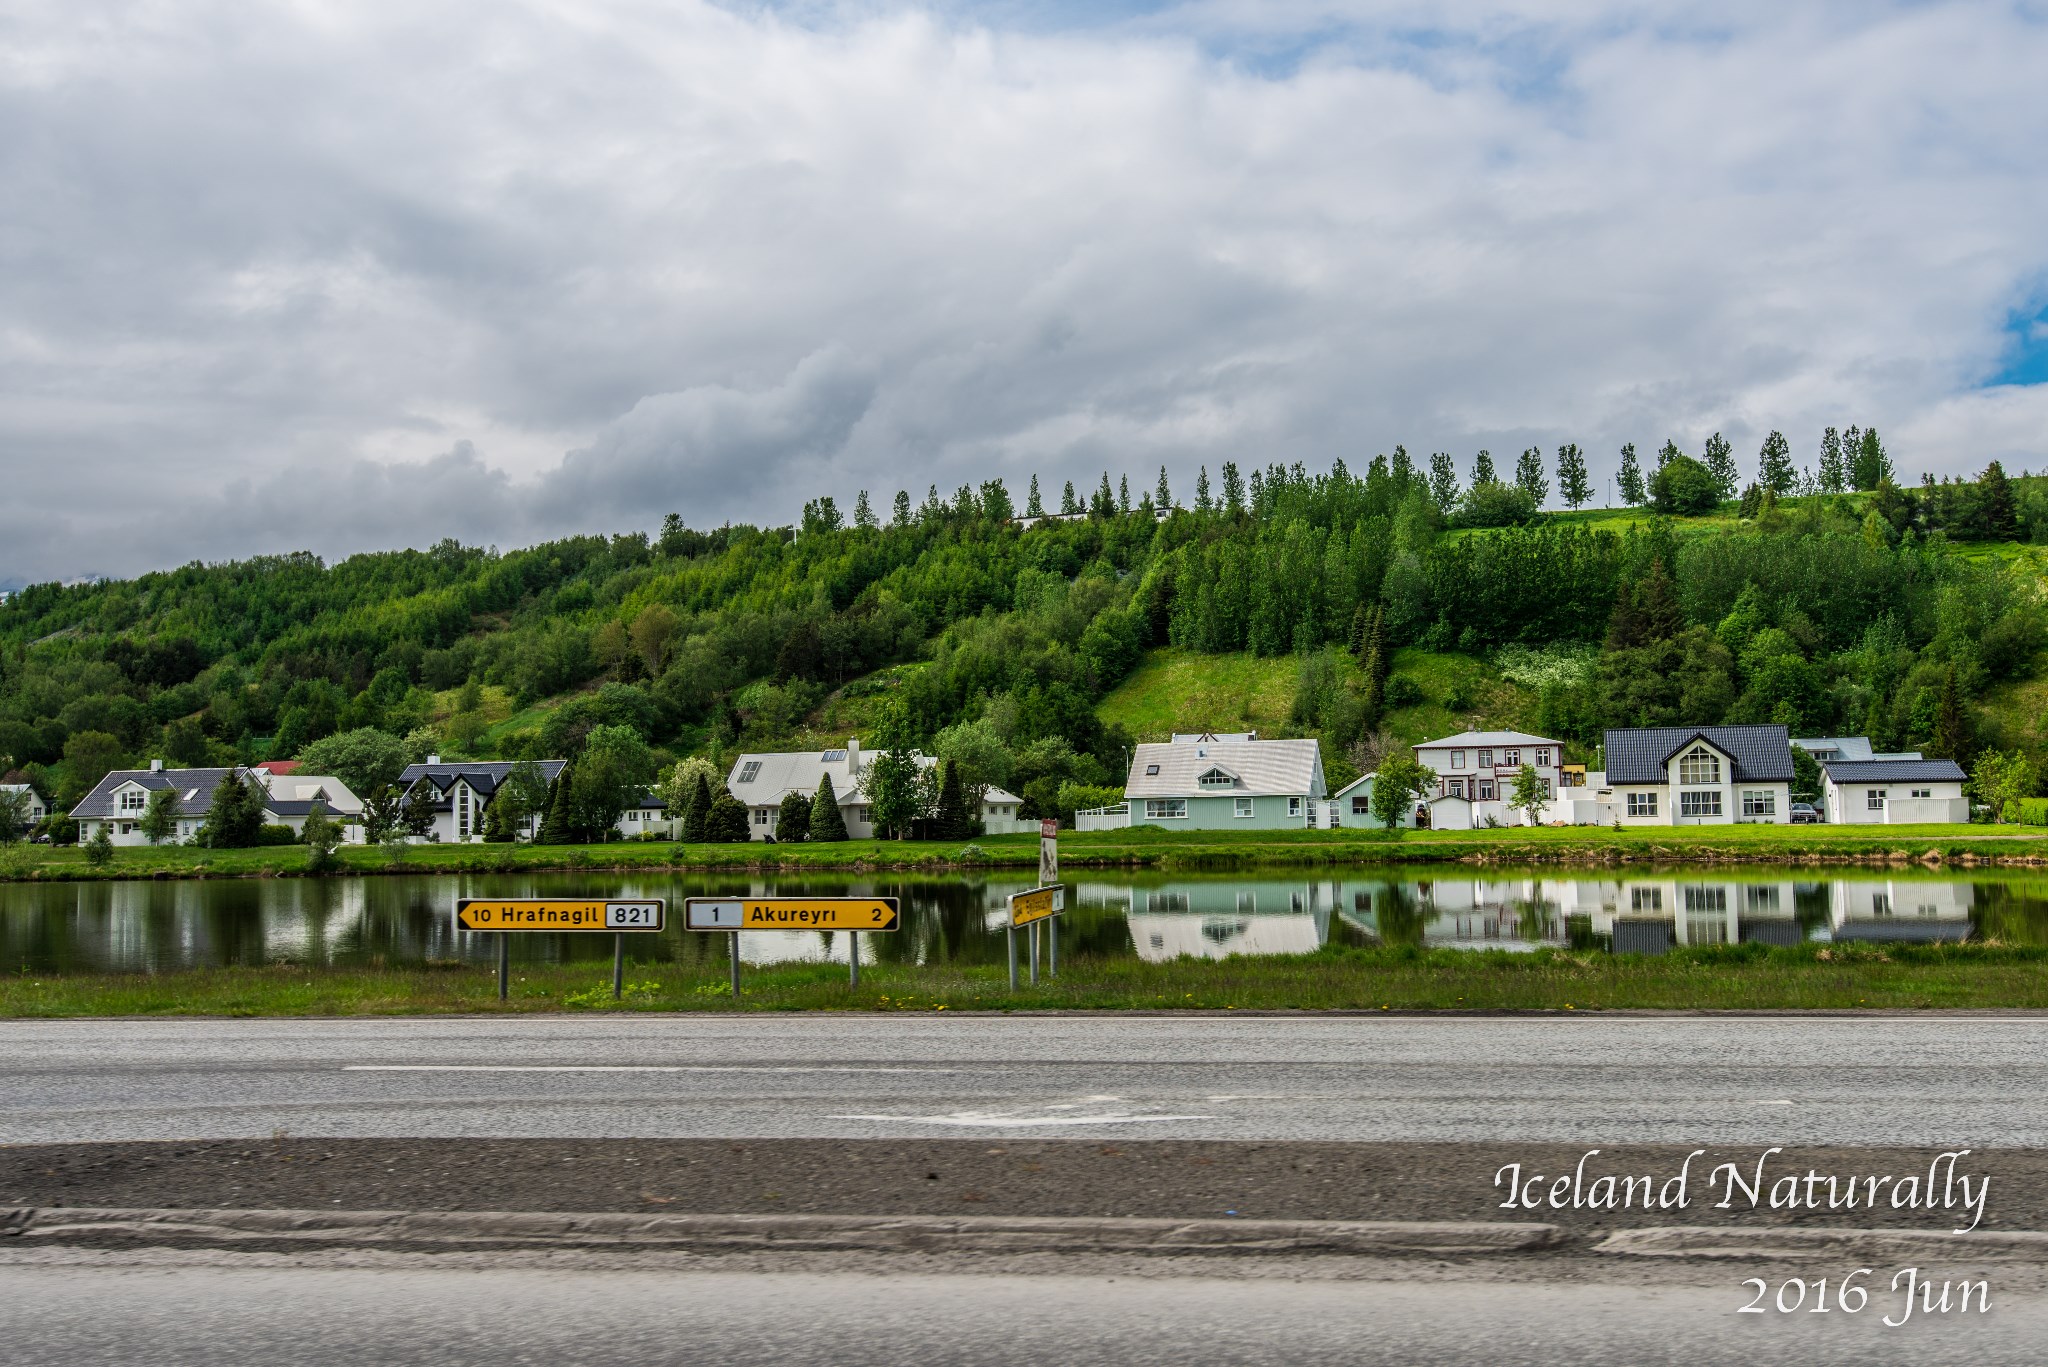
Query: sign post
(503, 915)
(1028, 909)
(850, 914)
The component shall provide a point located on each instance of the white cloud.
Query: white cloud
(353, 275)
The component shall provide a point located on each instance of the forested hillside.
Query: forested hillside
(1895, 612)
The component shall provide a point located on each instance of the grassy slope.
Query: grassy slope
(1745, 977)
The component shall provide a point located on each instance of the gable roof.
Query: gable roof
(1756, 754)
(484, 776)
(774, 775)
(1471, 739)
(1826, 748)
(194, 787)
(1262, 768)
(1894, 771)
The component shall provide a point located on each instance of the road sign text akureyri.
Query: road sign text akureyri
(792, 913)
(560, 913)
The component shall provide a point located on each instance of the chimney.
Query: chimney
(156, 766)
(853, 754)
(433, 759)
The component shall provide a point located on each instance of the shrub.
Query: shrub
(267, 835)
(1493, 504)
(1684, 487)
(1403, 691)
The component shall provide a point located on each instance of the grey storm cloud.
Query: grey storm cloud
(344, 276)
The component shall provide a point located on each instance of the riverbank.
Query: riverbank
(1711, 978)
(1142, 848)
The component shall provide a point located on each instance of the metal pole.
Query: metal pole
(618, 964)
(504, 965)
(1034, 953)
(1052, 944)
(1012, 935)
(853, 958)
(735, 965)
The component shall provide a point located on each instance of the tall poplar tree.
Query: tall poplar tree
(1774, 465)
(1069, 504)
(1871, 466)
(1163, 495)
(1123, 494)
(1630, 479)
(1529, 475)
(1443, 480)
(1202, 502)
(1482, 469)
(1833, 473)
(900, 510)
(1719, 458)
(1233, 489)
(1573, 487)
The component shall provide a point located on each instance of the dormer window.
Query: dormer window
(1699, 765)
(1217, 778)
(132, 801)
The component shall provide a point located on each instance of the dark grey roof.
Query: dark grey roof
(482, 775)
(1894, 770)
(195, 790)
(1758, 754)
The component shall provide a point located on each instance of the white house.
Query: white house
(647, 814)
(461, 792)
(35, 810)
(119, 801)
(1478, 768)
(1895, 791)
(1700, 775)
(761, 781)
(1352, 805)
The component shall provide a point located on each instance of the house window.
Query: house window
(1216, 778)
(1874, 799)
(864, 814)
(1646, 899)
(133, 802)
(1294, 806)
(1642, 804)
(1706, 803)
(1167, 901)
(1165, 808)
(1511, 758)
(1248, 901)
(1759, 804)
(632, 818)
(749, 770)
(1457, 759)
(1361, 805)
(1542, 759)
(462, 813)
(1244, 806)
(1880, 904)
(1761, 898)
(1699, 765)
(760, 816)
(1706, 899)
(1151, 771)
(1486, 790)
(1923, 792)
(1457, 787)
(1486, 759)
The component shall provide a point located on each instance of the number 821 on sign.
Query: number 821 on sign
(560, 913)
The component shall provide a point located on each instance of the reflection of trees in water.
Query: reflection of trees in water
(2012, 913)
(1533, 919)
(1811, 906)
(1401, 915)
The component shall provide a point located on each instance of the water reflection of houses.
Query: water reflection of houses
(1901, 909)
(1213, 920)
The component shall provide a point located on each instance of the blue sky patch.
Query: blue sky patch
(2026, 354)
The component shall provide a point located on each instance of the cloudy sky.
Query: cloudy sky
(353, 275)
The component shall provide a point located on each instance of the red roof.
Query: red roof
(279, 767)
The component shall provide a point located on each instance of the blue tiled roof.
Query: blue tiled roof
(1757, 754)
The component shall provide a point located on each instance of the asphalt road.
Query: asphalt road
(1877, 1080)
(170, 1314)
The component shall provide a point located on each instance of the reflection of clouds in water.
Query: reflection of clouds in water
(800, 947)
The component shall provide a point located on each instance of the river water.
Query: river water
(406, 920)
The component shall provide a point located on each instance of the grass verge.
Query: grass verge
(1737, 977)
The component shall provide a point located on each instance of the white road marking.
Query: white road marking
(614, 1068)
(1770, 1103)
(987, 1120)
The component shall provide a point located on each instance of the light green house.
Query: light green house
(1229, 781)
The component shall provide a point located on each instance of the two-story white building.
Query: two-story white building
(33, 807)
(460, 792)
(1475, 775)
(1700, 775)
(1895, 791)
(119, 801)
(762, 780)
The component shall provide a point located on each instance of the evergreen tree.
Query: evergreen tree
(827, 821)
(1994, 492)
(1034, 506)
(697, 812)
(1374, 665)
(863, 511)
(99, 850)
(1630, 479)
(557, 824)
(497, 823)
(1443, 481)
(1202, 501)
(1529, 475)
(1123, 494)
(953, 819)
(321, 835)
(899, 513)
(793, 822)
(1069, 504)
(1402, 468)
(996, 505)
(1951, 729)
(1573, 487)
(1833, 474)
(235, 819)
(1103, 504)
(1872, 466)
(727, 822)
(1719, 458)
(1774, 465)
(1233, 489)
(1162, 497)
(160, 817)
(1482, 468)
(1361, 624)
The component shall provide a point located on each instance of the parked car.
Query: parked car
(1804, 814)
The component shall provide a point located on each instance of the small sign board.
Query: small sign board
(792, 913)
(1048, 851)
(560, 913)
(1036, 905)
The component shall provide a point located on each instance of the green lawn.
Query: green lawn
(1740, 977)
(1179, 690)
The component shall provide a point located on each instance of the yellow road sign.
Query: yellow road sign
(1036, 905)
(791, 913)
(560, 913)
